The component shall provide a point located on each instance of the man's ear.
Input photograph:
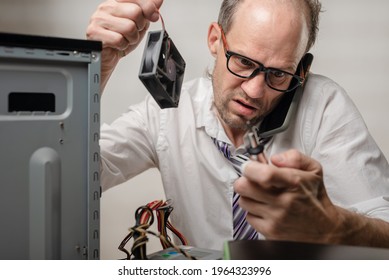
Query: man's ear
(214, 38)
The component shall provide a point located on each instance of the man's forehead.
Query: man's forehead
(269, 34)
(260, 10)
(278, 21)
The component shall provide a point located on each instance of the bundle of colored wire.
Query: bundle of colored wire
(163, 212)
(144, 218)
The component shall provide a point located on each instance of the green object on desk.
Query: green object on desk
(288, 250)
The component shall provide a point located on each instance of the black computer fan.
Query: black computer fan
(162, 69)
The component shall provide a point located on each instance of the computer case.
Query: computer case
(49, 150)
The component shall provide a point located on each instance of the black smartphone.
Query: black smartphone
(278, 120)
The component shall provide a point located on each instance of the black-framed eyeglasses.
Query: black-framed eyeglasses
(247, 68)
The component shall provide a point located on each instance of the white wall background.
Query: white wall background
(352, 49)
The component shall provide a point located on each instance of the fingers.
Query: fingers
(273, 179)
(268, 176)
(149, 7)
(250, 190)
(122, 24)
(283, 197)
(114, 32)
(297, 160)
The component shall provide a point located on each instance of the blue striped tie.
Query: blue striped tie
(242, 229)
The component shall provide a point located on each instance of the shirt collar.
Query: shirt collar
(206, 112)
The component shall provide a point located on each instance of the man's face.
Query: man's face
(268, 32)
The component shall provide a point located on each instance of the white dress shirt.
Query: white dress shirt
(198, 178)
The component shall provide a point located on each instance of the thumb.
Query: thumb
(297, 160)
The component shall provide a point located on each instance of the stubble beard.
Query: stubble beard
(221, 101)
(227, 117)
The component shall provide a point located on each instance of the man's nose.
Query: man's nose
(255, 87)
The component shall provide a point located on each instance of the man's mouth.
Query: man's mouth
(246, 105)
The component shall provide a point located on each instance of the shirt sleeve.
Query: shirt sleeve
(356, 173)
(127, 145)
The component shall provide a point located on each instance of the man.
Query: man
(285, 199)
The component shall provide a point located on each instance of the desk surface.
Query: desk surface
(286, 250)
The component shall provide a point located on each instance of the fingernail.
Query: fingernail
(155, 16)
(243, 167)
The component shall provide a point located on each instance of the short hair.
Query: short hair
(312, 11)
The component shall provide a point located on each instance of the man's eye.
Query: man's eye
(244, 62)
(278, 74)
(278, 77)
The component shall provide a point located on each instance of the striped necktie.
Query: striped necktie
(242, 229)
